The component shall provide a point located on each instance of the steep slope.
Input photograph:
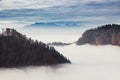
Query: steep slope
(106, 34)
(17, 50)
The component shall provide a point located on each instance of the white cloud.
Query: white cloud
(35, 4)
(60, 10)
(11, 24)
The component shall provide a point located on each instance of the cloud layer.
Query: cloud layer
(35, 4)
(101, 11)
(88, 63)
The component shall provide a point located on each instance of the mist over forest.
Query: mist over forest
(60, 40)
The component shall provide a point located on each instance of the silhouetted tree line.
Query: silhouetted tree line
(17, 50)
(59, 44)
(106, 34)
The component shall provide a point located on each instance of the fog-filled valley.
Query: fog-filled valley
(89, 62)
(47, 35)
(59, 39)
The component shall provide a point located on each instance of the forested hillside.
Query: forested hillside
(17, 50)
(106, 34)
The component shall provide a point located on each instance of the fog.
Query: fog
(88, 63)
(47, 35)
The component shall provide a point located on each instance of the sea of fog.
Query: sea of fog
(88, 62)
(47, 35)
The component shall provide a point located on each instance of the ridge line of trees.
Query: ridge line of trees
(106, 34)
(17, 50)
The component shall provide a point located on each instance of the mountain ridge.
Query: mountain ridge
(16, 50)
(103, 35)
(57, 24)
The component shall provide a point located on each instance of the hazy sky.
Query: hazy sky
(89, 11)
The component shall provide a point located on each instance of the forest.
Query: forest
(102, 35)
(16, 50)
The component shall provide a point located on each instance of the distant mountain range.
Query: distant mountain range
(103, 35)
(57, 24)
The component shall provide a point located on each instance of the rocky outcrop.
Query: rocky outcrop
(103, 35)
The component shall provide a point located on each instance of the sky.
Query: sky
(91, 12)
